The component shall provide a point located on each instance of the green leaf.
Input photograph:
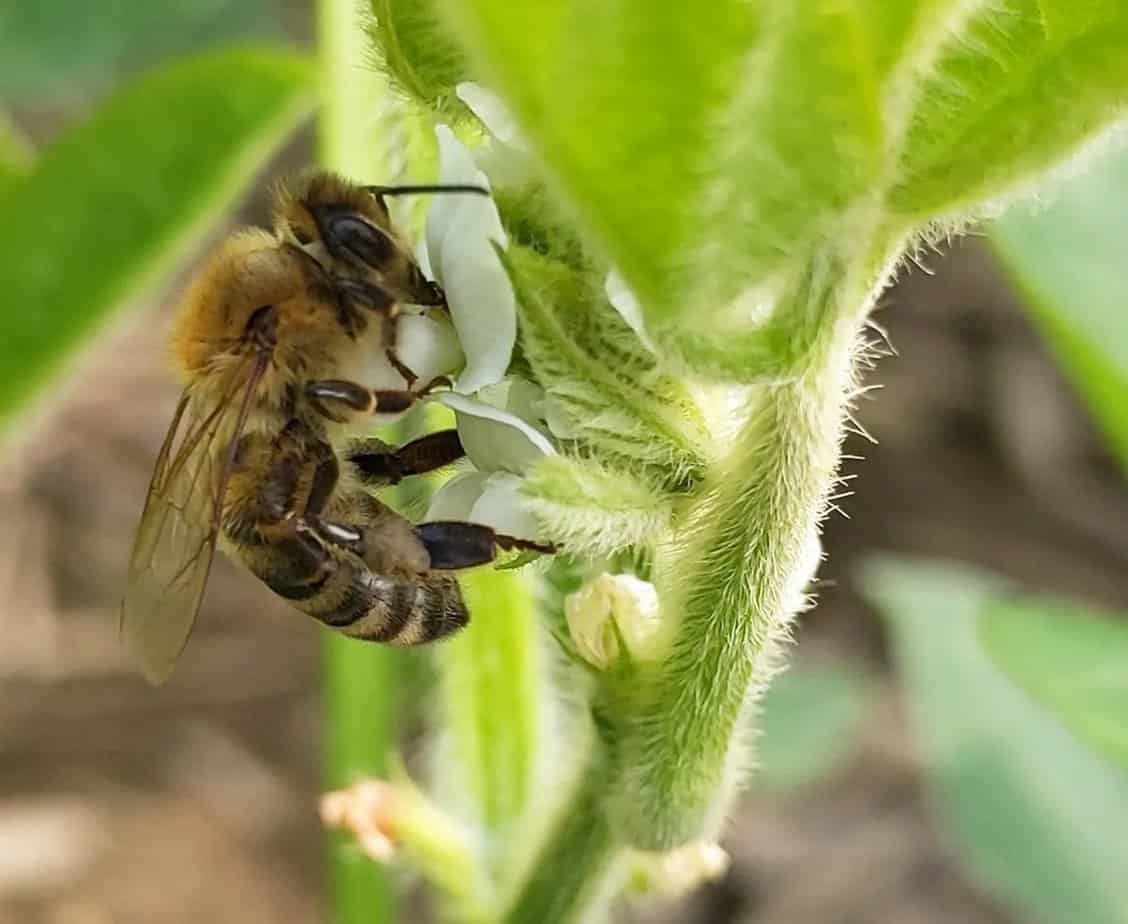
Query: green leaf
(16, 153)
(1040, 819)
(1072, 660)
(596, 509)
(1015, 88)
(1068, 260)
(418, 53)
(607, 385)
(809, 721)
(115, 200)
(621, 101)
(803, 141)
(58, 52)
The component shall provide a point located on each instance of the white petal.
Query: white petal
(455, 500)
(495, 440)
(493, 113)
(502, 507)
(456, 166)
(624, 301)
(492, 500)
(461, 233)
(428, 346)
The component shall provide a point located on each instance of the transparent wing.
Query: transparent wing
(175, 543)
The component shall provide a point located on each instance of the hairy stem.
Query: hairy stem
(728, 592)
(574, 872)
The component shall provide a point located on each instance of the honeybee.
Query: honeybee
(261, 456)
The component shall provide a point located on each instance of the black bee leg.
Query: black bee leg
(336, 399)
(378, 463)
(453, 545)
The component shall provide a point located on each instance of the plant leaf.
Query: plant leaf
(58, 53)
(593, 508)
(1072, 660)
(115, 200)
(1039, 818)
(802, 140)
(601, 89)
(16, 153)
(1068, 260)
(418, 53)
(606, 383)
(1015, 87)
(808, 722)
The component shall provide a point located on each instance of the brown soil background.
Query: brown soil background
(121, 804)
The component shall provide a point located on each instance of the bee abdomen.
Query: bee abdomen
(395, 611)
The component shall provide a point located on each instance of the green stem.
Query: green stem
(726, 592)
(574, 872)
(359, 680)
(490, 683)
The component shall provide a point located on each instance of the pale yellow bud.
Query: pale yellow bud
(680, 871)
(595, 609)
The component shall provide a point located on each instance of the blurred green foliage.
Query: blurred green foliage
(1073, 660)
(1038, 817)
(809, 725)
(114, 200)
(56, 53)
(1068, 259)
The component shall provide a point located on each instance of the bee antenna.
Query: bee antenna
(426, 189)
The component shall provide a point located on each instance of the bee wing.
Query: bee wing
(175, 543)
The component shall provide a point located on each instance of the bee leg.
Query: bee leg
(378, 463)
(453, 545)
(330, 397)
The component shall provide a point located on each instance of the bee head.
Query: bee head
(347, 228)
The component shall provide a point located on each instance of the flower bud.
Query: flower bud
(365, 810)
(679, 871)
(604, 603)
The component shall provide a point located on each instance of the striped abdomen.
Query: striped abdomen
(395, 611)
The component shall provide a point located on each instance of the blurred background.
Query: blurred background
(120, 803)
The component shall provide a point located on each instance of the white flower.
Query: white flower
(498, 433)
(492, 113)
(604, 604)
(501, 422)
(462, 232)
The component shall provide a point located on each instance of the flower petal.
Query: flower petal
(492, 500)
(503, 507)
(624, 301)
(495, 440)
(455, 500)
(428, 346)
(461, 234)
(492, 113)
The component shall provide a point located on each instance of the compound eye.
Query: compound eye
(349, 236)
